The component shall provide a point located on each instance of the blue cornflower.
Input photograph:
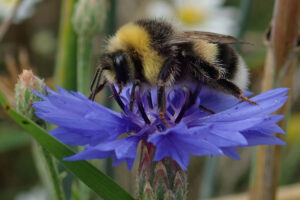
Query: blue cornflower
(197, 131)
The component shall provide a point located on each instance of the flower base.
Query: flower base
(159, 180)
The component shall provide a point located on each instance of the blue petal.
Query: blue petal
(216, 100)
(219, 138)
(178, 143)
(268, 126)
(89, 154)
(231, 152)
(75, 137)
(79, 114)
(266, 104)
(121, 150)
(127, 147)
(255, 138)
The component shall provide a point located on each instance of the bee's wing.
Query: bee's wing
(192, 36)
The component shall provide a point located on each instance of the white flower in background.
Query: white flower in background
(202, 15)
(24, 11)
(36, 193)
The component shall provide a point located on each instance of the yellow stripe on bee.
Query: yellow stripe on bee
(136, 37)
(206, 50)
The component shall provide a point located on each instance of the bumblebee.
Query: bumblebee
(151, 53)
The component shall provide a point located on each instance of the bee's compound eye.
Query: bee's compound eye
(121, 67)
(119, 60)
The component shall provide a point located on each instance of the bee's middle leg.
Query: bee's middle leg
(168, 73)
(132, 94)
(161, 102)
(136, 95)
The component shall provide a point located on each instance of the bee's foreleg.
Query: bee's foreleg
(95, 86)
(97, 89)
(117, 97)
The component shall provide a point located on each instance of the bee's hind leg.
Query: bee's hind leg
(200, 66)
(233, 89)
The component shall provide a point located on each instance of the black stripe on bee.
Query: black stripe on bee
(138, 67)
(228, 60)
(197, 64)
(160, 33)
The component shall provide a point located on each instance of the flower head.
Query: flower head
(24, 10)
(197, 131)
(203, 15)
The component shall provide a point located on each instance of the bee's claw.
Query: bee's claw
(207, 109)
(120, 89)
(163, 119)
(248, 100)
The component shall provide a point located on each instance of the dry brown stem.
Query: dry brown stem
(279, 69)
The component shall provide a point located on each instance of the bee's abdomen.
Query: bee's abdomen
(228, 60)
(234, 66)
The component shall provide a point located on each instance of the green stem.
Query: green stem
(111, 18)
(108, 168)
(245, 8)
(53, 175)
(84, 57)
(111, 25)
(47, 169)
(209, 177)
(65, 67)
(245, 11)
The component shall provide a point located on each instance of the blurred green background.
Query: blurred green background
(32, 43)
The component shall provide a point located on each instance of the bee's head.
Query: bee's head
(116, 67)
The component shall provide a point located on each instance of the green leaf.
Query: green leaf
(87, 173)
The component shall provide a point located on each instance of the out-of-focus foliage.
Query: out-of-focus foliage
(32, 43)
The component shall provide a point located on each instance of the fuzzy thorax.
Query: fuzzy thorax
(136, 40)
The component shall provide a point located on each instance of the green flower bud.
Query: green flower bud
(163, 180)
(88, 17)
(24, 96)
(147, 192)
